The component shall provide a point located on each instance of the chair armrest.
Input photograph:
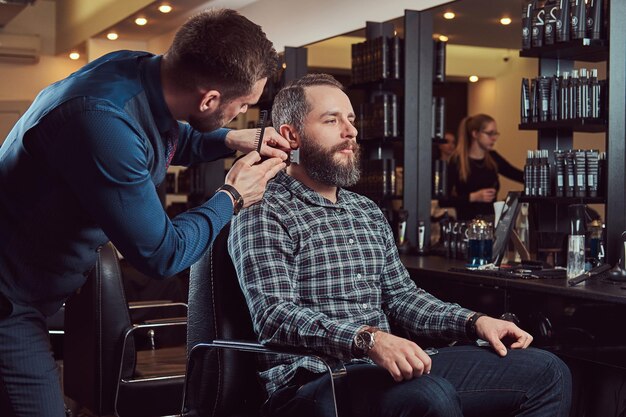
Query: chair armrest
(135, 305)
(336, 373)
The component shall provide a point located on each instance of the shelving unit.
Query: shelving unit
(412, 150)
(552, 135)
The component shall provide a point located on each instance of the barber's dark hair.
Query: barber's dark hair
(221, 49)
(290, 104)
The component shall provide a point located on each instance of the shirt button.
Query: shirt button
(358, 275)
(350, 240)
(365, 306)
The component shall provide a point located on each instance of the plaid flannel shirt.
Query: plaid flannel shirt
(315, 272)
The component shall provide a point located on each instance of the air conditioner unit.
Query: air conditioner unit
(19, 49)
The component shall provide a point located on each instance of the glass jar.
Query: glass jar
(479, 242)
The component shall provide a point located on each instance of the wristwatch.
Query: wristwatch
(236, 196)
(364, 341)
(470, 326)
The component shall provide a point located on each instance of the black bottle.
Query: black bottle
(553, 107)
(527, 18)
(525, 101)
(573, 91)
(584, 94)
(564, 97)
(579, 19)
(595, 19)
(538, 21)
(550, 16)
(563, 21)
(527, 173)
(439, 72)
(594, 99)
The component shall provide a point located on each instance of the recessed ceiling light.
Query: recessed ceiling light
(505, 21)
(141, 21)
(473, 78)
(165, 8)
(284, 65)
(449, 15)
(112, 36)
(74, 55)
(443, 38)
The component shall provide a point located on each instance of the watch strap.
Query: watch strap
(236, 196)
(470, 326)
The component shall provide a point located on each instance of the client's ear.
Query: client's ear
(289, 133)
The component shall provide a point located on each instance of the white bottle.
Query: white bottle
(576, 241)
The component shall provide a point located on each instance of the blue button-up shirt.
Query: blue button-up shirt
(80, 168)
(314, 272)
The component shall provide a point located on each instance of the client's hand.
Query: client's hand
(495, 331)
(402, 358)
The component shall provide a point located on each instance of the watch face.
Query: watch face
(365, 341)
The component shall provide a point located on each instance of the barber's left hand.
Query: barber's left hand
(274, 145)
(495, 330)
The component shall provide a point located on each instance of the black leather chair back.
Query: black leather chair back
(95, 321)
(224, 382)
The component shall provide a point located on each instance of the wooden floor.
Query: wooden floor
(164, 361)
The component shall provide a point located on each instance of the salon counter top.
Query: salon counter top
(436, 267)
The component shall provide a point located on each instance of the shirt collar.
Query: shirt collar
(151, 76)
(305, 193)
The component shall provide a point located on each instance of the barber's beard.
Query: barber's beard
(320, 164)
(208, 123)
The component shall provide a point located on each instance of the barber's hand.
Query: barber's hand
(250, 179)
(402, 358)
(485, 195)
(274, 145)
(495, 331)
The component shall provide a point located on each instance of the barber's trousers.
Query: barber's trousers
(29, 378)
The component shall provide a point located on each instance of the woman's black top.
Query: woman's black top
(480, 177)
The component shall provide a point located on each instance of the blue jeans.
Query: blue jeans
(464, 381)
(29, 377)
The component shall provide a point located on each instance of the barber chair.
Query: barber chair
(104, 369)
(221, 372)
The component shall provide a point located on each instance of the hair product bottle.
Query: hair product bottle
(525, 101)
(527, 18)
(579, 19)
(549, 27)
(563, 21)
(538, 21)
(595, 19)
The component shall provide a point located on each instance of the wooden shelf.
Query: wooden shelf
(577, 125)
(587, 50)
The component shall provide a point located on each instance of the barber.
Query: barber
(81, 168)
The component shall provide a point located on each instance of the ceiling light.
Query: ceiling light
(74, 55)
(141, 21)
(443, 38)
(473, 78)
(284, 65)
(505, 21)
(449, 15)
(165, 8)
(112, 36)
